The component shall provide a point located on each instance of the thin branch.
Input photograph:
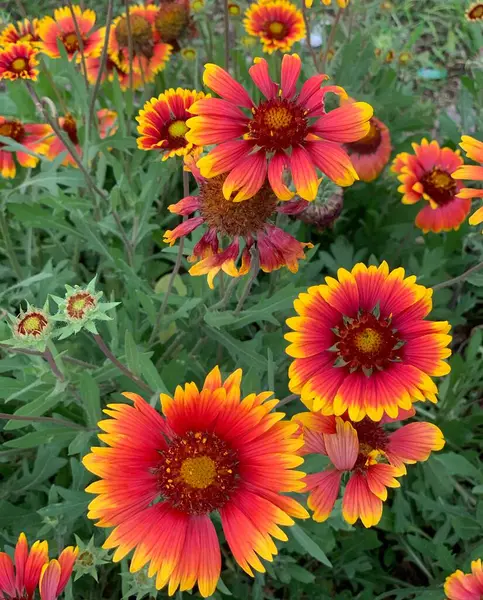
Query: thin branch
(308, 41)
(255, 268)
(330, 41)
(102, 65)
(461, 277)
(74, 361)
(80, 42)
(226, 23)
(107, 352)
(8, 417)
(286, 400)
(21, 9)
(47, 354)
(129, 45)
(228, 294)
(174, 272)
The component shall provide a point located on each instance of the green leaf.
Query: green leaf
(238, 350)
(52, 435)
(91, 398)
(132, 353)
(310, 546)
(36, 408)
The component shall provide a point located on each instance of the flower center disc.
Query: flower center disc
(177, 131)
(12, 129)
(197, 473)
(369, 143)
(278, 124)
(372, 442)
(70, 127)
(78, 304)
(171, 20)
(367, 342)
(439, 186)
(19, 65)
(140, 30)
(277, 30)
(32, 324)
(71, 42)
(235, 218)
(476, 12)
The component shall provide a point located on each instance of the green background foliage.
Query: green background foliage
(55, 231)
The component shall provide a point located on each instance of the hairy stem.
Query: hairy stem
(107, 352)
(459, 278)
(255, 268)
(174, 272)
(226, 24)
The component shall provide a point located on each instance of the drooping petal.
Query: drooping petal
(360, 503)
(343, 446)
(414, 443)
(324, 489)
(303, 174)
(247, 178)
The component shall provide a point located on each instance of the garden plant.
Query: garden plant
(241, 299)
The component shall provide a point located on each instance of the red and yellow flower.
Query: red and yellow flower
(23, 31)
(150, 54)
(465, 586)
(427, 174)
(340, 3)
(288, 131)
(110, 71)
(62, 27)
(31, 135)
(370, 154)
(20, 578)
(18, 61)
(162, 476)
(361, 344)
(247, 221)
(56, 574)
(372, 457)
(278, 24)
(474, 150)
(162, 123)
(475, 12)
(107, 121)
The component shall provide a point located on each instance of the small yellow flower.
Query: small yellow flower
(189, 53)
(405, 57)
(234, 9)
(197, 5)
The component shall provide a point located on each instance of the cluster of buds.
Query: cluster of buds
(80, 307)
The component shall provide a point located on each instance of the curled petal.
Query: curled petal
(185, 206)
(279, 249)
(343, 446)
(276, 167)
(185, 228)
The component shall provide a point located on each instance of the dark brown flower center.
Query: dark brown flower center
(439, 186)
(235, 218)
(373, 441)
(12, 129)
(197, 473)
(32, 323)
(369, 143)
(366, 342)
(70, 127)
(71, 42)
(278, 124)
(141, 31)
(476, 12)
(171, 20)
(79, 303)
(275, 30)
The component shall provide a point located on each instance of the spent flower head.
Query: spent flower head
(80, 307)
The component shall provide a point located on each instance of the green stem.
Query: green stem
(9, 249)
(255, 268)
(461, 277)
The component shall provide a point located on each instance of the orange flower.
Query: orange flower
(162, 123)
(18, 61)
(19, 579)
(361, 344)
(107, 126)
(31, 135)
(150, 55)
(62, 28)
(289, 131)
(225, 219)
(372, 457)
(24, 31)
(474, 150)
(210, 451)
(427, 175)
(278, 24)
(475, 12)
(340, 3)
(461, 586)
